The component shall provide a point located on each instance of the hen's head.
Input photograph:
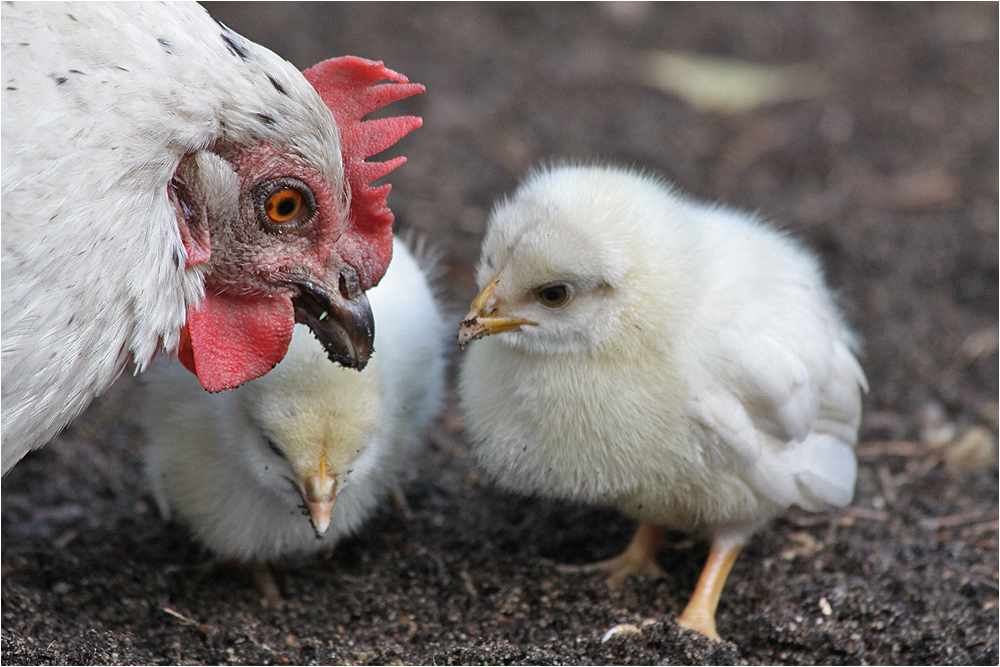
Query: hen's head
(280, 217)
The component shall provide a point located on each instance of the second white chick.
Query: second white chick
(240, 466)
(679, 361)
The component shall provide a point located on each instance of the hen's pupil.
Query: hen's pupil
(286, 206)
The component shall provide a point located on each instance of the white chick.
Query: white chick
(240, 466)
(679, 361)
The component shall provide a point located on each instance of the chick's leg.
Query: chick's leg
(699, 614)
(638, 558)
(264, 579)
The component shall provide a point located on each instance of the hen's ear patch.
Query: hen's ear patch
(350, 87)
(192, 213)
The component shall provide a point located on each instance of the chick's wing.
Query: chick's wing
(782, 394)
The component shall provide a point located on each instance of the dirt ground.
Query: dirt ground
(890, 172)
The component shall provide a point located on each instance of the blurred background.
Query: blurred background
(869, 131)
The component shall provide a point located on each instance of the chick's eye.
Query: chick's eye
(554, 295)
(284, 204)
(275, 448)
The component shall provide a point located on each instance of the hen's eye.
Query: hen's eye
(554, 295)
(284, 204)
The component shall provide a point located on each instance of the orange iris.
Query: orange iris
(283, 204)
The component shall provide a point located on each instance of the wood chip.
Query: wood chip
(623, 629)
(824, 606)
(888, 484)
(804, 545)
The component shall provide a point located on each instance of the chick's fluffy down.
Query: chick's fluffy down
(227, 464)
(700, 377)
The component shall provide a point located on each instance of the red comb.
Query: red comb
(347, 86)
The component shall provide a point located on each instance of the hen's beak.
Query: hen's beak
(319, 492)
(340, 316)
(483, 319)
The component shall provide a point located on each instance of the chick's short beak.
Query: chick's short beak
(339, 315)
(484, 318)
(319, 492)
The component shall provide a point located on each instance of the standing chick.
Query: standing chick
(679, 361)
(239, 466)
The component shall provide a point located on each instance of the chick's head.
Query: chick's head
(315, 420)
(563, 259)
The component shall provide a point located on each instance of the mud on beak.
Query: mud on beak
(483, 318)
(340, 316)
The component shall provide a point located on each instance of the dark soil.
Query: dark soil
(892, 176)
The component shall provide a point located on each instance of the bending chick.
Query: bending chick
(679, 361)
(240, 466)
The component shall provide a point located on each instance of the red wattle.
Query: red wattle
(184, 350)
(235, 339)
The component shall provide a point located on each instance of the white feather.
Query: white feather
(208, 456)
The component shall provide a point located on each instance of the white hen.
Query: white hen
(679, 361)
(239, 466)
(168, 184)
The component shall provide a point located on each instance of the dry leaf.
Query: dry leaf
(729, 85)
(975, 450)
(980, 344)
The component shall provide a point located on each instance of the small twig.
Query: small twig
(865, 513)
(470, 586)
(986, 581)
(929, 464)
(63, 540)
(964, 518)
(906, 448)
(985, 527)
(807, 521)
(185, 620)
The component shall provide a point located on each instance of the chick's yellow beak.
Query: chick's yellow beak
(483, 318)
(319, 492)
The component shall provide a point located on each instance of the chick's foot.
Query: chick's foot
(699, 615)
(638, 558)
